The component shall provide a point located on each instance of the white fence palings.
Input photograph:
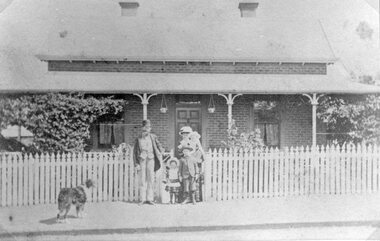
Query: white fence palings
(250, 174)
(329, 170)
(225, 176)
(36, 179)
(219, 175)
(27, 179)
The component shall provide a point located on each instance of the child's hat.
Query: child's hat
(173, 159)
(186, 129)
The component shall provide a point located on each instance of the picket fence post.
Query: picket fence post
(376, 159)
(225, 174)
(250, 163)
(207, 175)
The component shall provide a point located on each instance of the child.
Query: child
(192, 138)
(173, 180)
(189, 174)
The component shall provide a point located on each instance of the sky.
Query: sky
(4, 4)
(374, 3)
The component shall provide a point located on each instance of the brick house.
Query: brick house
(187, 57)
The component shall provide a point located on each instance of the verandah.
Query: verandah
(27, 179)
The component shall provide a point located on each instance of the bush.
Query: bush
(351, 120)
(245, 140)
(59, 122)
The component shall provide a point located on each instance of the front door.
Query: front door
(187, 117)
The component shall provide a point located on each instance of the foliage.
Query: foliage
(59, 122)
(245, 140)
(351, 120)
(10, 144)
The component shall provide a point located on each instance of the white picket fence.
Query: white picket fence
(29, 180)
(37, 179)
(295, 171)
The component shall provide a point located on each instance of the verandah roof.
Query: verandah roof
(191, 83)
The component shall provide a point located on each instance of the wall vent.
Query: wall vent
(129, 9)
(248, 9)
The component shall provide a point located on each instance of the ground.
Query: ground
(315, 233)
(308, 217)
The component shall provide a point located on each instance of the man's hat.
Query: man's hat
(145, 123)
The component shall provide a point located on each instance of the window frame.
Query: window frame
(112, 120)
(253, 121)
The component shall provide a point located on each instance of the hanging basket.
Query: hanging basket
(211, 105)
(164, 106)
(211, 109)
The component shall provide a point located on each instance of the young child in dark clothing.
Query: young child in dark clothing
(189, 173)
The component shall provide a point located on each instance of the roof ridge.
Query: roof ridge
(377, 10)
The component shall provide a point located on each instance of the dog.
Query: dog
(73, 196)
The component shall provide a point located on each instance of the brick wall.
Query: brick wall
(295, 126)
(216, 129)
(295, 120)
(191, 67)
(161, 123)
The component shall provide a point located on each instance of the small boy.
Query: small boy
(189, 174)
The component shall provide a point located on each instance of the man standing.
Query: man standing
(147, 158)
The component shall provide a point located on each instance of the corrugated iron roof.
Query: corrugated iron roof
(283, 31)
(169, 29)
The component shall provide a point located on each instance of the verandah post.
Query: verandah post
(230, 101)
(145, 101)
(314, 102)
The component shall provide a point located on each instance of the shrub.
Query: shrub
(245, 140)
(59, 122)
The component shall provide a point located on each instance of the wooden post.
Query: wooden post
(230, 101)
(207, 175)
(19, 133)
(145, 101)
(314, 102)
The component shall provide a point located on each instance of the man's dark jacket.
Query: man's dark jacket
(157, 151)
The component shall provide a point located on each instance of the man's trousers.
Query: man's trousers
(146, 177)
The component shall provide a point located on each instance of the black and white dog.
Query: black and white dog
(73, 196)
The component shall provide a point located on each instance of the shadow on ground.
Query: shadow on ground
(375, 223)
(52, 221)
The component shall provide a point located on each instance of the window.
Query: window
(266, 119)
(129, 9)
(110, 131)
(248, 9)
(110, 134)
(188, 99)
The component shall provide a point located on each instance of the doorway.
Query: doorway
(187, 116)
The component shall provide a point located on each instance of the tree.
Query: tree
(59, 122)
(352, 119)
